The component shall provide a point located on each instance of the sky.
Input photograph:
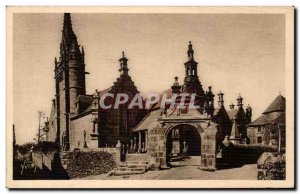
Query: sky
(237, 53)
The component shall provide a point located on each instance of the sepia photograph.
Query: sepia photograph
(150, 97)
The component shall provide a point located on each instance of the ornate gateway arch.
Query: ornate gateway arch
(159, 132)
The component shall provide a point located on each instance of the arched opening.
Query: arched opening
(183, 141)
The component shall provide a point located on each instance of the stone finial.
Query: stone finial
(123, 64)
(176, 87)
(248, 107)
(221, 99)
(190, 51)
(176, 83)
(239, 101)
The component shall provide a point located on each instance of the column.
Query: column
(140, 142)
(146, 140)
(134, 144)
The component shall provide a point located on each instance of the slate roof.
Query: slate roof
(262, 120)
(85, 99)
(265, 120)
(84, 102)
(190, 114)
(278, 105)
(280, 119)
(171, 114)
(150, 118)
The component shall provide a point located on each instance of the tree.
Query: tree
(40, 136)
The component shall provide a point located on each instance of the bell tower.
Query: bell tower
(191, 80)
(69, 80)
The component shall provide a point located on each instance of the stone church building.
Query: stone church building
(76, 120)
(172, 133)
(161, 134)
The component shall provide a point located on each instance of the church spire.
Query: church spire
(190, 52)
(191, 80)
(68, 35)
(67, 22)
(123, 64)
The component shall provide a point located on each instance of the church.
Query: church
(76, 120)
(162, 134)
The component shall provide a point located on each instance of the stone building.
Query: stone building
(161, 134)
(172, 133)
(269, 128)
(239, 117)
(76, 119)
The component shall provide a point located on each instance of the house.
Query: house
(269, 128)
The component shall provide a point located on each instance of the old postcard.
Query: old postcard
(150, 97)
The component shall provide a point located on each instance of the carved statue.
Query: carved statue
(84, 138)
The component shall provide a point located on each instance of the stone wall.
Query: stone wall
(253, 133)
(78, 126)
(239, 154)
(42, 160)
(271, 166)
(208, 146)
(156, 146)
(157, 138)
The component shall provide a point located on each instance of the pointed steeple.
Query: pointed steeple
(190, 52)
(123, 64)
(68, 35)
(67, 22)
(191, 80)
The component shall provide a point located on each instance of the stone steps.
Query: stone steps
(126, 172)
(130, 165)
(130, 168)
(136, 157)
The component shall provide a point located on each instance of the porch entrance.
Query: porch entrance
(183, 146)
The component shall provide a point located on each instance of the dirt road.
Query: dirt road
(247, 172)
